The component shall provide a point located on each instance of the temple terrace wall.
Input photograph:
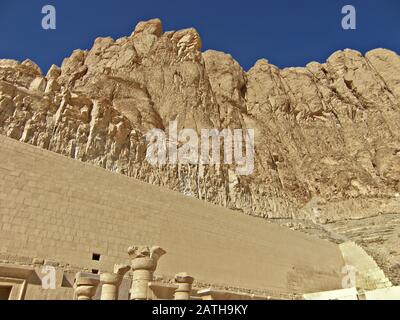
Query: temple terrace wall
(84, 217)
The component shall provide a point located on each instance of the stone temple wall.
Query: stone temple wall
(56, 209)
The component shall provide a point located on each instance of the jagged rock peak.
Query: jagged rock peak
(153, 26)
(327, 135)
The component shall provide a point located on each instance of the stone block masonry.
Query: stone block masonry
(59, 209)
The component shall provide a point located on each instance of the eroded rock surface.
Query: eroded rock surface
(327, 136)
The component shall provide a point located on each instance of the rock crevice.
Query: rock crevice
(327, 131)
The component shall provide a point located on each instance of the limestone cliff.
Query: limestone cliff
(327, 136)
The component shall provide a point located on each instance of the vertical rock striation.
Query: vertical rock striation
(327, 136)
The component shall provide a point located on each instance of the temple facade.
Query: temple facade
(70, 230)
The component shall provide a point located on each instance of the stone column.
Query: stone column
(144, 263)
(85, 286)
(110, 282)
(184, 282)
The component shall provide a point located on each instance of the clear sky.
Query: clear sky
(286, 32)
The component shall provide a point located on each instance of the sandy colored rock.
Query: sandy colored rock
(327, 136)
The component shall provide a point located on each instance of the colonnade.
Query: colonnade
(144, 261)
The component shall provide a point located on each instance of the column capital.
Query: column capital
(144, 263)
(82, 278)
(116, 277)
(183, 277)
(111, 281)
(154, 252)
(110, 278)
(184, 289)
(85, 285)
(145, 257)
(121, 269)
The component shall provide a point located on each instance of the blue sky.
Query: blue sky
(286, 32)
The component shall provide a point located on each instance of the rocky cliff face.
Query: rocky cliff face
(327, 136)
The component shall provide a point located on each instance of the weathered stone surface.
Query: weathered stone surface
(327, 135)
(64, 210)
